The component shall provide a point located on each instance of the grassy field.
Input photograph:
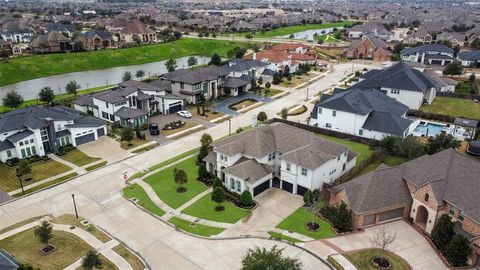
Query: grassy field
(37, 66)
(167, 132)
(26, 248)
(297, 80)
(165, 187)
(47, 184)
(362, 150)
(198, 229)
(20, 224)
(72, 220)
(146, 148)
(363, 260)
(133, 260)
(279, 236)
(209, 114)
(297, 220)
(79, 158)
(132, 144)
(96, 166)
(136, 191)
(205, 208)
(282, 31)
(466, 108)
(388, 160)
(40, 170)
(242, 104)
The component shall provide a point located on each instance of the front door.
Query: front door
(46, 147)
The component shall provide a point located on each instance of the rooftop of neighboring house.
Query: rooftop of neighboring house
(427, 48)
(16, 26)
(7, 261)
(452, 176)
(136, 27)
(35, 117)
(294, 144)
(384, 113)
(50, 37)
(203, 74)
(469, 55)
(288, 47)
(249, 169)
(398, 76)
(240, 65)
(129, 113)
(90, 34)
(377, 43)
(60, 27)
(278, 56)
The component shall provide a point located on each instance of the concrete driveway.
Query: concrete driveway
(222, 106)
(164, 119)
(409, 245)
(105, 148)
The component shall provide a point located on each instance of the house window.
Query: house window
(334, 113)
(29, 151)
(360, 132)
(23, 153)
(26, 142)
(304, 171)
(328, 125)
(31, 140)
(9, 153)
(21, 143)
(239, 186)
(319, 110)
(106, 104)
(427, 197)
(452, 210)
(288, 167)
(182, 85)
(105, 115)
(271, 156)
(232, 183)
(460, 216)
(34, 151)
(112, 117)
(59, 126)
(395, 91)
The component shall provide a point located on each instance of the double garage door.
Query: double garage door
(261, 188)
(383, 216)
(89, 137)
(174, 108)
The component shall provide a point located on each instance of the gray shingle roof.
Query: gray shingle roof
(469, 55)
(130, 113)
(7, 262)
(386, 123)
(249, 170)
(426, 48)
(233, 82)
(5, 145)
(203, 74)
(19, 136)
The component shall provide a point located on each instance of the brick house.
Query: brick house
(368, 48)
(422, 190)
(53, 41)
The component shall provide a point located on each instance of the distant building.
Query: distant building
(368, 48)
(432, 54)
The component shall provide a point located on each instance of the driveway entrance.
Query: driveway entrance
(222, 106)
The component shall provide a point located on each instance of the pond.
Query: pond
(309, 34)
(92, 78)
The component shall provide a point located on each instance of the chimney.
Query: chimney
(254, 57)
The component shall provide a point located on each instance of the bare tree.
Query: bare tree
(382, 239)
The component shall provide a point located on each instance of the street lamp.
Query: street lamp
(75, 205)
(307, 93)
(229, 127)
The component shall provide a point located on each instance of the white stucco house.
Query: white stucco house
(432, 54)
(278, 155)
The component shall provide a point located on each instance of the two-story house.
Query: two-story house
(370, 29)
(16, 31)
(278, 155)
(39, 130)
(403, 83)
(368, 48)
(365, 113)
(469, 58)
(422, 189)
(432, 54)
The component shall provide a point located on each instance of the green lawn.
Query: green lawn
(388, 160)
(466, 108)
(96, 166)
(136, 191)
(164, 185)
(79, 158)
(271, 92)
(40, 171)
(47, 184)
(362, 150)
(297, 220)
(327, 38)
(131, 258)
(198, 229)
(363, 259)
(26, 68)
(282, 31)
(279, 236)
(205, 208)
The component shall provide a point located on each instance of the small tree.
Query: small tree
(457, 250)
(91, 261)
(72, 87)
(268, 85)
(192, 61)
(382, 239)
(269, 259)
(218, 196)
(205, 141)
(4, 54)
(181, 179)
(139, 74)
(24, 168)
(217, 183)
(12, 99)
(472, 77)
(246, 198)
(127, 76)
(343, 218)
(46, 95)
(441, 142)
(44, 232)
(284, 113)
(126, 134)
(443, 232)
(248, 36)
(409, 147)
(313, 204)
(286, 71)
(202, 171)
(215, 60)
(454, 68)
(171, 65)
(262, 116)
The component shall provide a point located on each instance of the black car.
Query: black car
(153, 127)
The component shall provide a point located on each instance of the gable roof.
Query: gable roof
(7, 262)
(469, 55)
(208, 73)
(427, 48)
(249, 170)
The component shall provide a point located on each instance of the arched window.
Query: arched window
(239, 186)
(232, 183)
(427, 197)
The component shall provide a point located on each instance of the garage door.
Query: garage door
(287, 186)
(100, 132)
(85, 139)
(301, 190)
(391, 214)
(369, 220)
(436, 62)
(261, 188)
(175, 108)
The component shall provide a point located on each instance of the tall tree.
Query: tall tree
(72, 87)
(441, 142)
(343, 218)
(24, 168)
(442, 232)
(139, 74)
(457, 250)
(91, 261)
(192, 61)
(272, 259)
(205, 141)
(171, 65)
(127, 76)
(218, 196)
(46, 95)
(180, 178)
(44, 232)
(215, 60)
(12, 99)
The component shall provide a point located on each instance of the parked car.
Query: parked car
(185, 114)
(154, 130)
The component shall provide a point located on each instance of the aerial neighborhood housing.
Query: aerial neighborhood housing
(39, 130)
(469, 58)
(422, 190)
(368, 48)
(370, 30)
(278, 155)
(431, 54)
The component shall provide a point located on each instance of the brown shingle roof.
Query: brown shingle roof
(249, 170)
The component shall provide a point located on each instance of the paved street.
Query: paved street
(99, 199)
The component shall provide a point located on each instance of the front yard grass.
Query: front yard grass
(20, 224)
(136, 191)
(361, 149)
(26, 248)
(78, 158)
(458, 107)
(280, 236)
(167, 132)
(297, 221)
(205, 208)
(195, 228)
(363, 259)
(298, 79)
(127, 145)
(209, 114)
(96, 166)
(40, 170)
(68, 219)
(242, 104)
(47, 184)
(131, 258)
(165, 187)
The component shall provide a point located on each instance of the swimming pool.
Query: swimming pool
(428, 129)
